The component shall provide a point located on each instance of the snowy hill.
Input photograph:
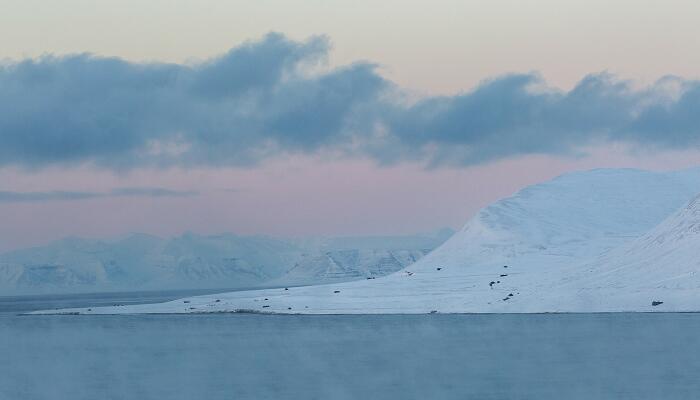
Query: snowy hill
(601, 240)
(344, 265)
(574, 215)
(192, 261)
(359, 257)
(663, 265)
(668, 256)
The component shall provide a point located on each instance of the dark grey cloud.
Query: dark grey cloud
(516, 115)
(263, 99)
(151, 192)
(28, 197)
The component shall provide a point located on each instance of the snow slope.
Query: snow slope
(550, 247)
(662, 265)
(346, 265)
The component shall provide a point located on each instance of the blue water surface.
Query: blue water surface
(238, 356)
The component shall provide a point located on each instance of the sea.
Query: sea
(251, 356)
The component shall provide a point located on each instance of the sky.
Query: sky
(298, 118)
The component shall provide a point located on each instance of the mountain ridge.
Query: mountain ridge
(145, 262)
(535, 251)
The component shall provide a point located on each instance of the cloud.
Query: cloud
(251, 103)
(272, 96)
(25, 197)
(515, 115)
(150, 192)
(28, 197)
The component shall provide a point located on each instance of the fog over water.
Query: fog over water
(224, 356)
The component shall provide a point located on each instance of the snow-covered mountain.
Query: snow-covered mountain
(341, 259)
(351, 264)
(574, 215)
(601, 240)
(662, 267)
(193, 261)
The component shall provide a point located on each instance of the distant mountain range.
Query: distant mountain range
(142, 262)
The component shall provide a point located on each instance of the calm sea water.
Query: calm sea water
(234, 356)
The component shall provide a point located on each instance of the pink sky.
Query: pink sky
(290, 197)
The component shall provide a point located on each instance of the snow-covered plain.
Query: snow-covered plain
(598, 241)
